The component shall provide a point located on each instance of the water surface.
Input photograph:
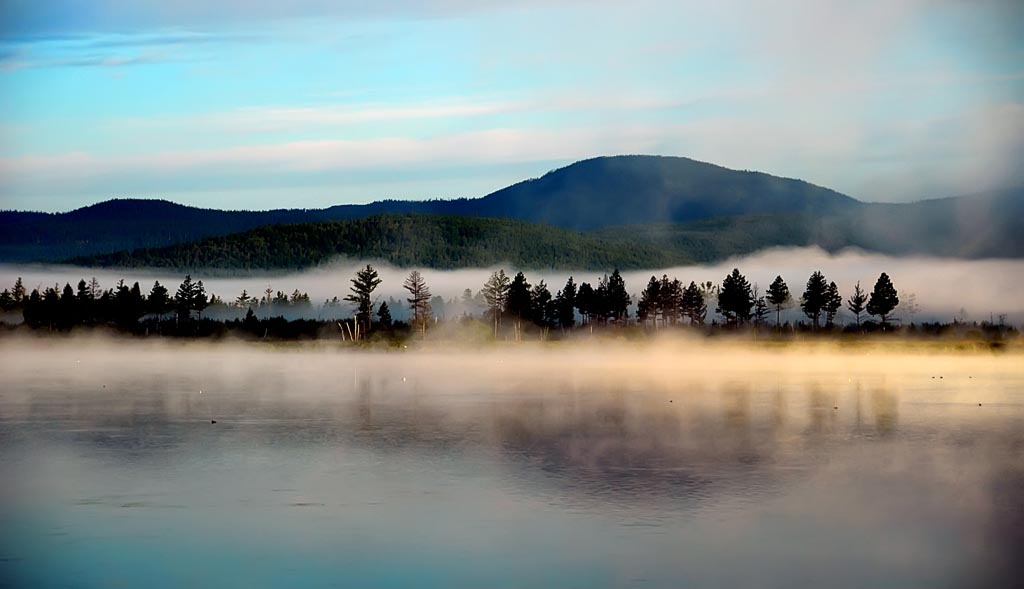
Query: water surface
(598, 466)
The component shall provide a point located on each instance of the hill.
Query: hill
(585, 195)
(664, 208)
(976, 226)
(402, 240)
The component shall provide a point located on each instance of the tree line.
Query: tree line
(510, 306)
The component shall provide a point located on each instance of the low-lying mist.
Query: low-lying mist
(944, 288)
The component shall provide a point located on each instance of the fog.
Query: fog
(605, 464)
(983, 289)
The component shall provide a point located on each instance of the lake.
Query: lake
(664, 464)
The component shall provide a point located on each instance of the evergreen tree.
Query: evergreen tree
(650, 301)
(383, 316)
(543, 310)
(617, 302)
(884, 299)
(365, 282)
(518, 303)
(243, 300)
(419, 300)
(33, 313)
(670, 300)
(585, 301)
(495, 293)
(67, 315)
(19, 292)
(158, 300)
(599, 302)
(184, 298)
(735, 298)
(761, 310)
(693, 305)
(779, 297)
(815, 297)
(199, 298)
(856, 302)
(833, 302)
(566, 305)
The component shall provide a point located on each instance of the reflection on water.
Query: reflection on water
(553, 468)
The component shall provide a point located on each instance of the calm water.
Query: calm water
(554, 468)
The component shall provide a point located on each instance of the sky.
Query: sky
(259, 104)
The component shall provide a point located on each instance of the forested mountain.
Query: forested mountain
(403, 240)
(647, 189)
(977, 226)
(124, 224)
(661, 207)
(983, 225)
(585, 195)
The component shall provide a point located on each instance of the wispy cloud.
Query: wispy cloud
(16, 61)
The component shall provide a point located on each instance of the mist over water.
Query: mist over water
(654, 464)
(984, 289)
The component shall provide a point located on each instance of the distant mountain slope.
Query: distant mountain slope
(586, 195)
(682, 208)
(988, 225)
(403, 240)
(123, 224)
(985, 225)
(649, 189)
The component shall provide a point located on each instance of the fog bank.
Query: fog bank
(982, 288)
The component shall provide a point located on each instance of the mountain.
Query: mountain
(659, 208)
(403, 240)
(650, 189)
(978, 226)
(123, 224)
(983, 225)
(586, 195)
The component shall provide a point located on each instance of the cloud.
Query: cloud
(20, 62)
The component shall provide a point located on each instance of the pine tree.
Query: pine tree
(884, 299)
(243, 299)
(617, 303)
(650, 300)
(735, 298)
(383, 316)
(365, 282)
(19, 292)
(184, 298)
(833, 302)
(670, 300)
(542, 306)
(779, 297)
(495, 293)
(518, 302)
(585, 301)
(761, 310)
(815, 297)
(856, 302)
(199, 298)
(693, 305)
(419, 300)
(566, 305)
(158, 300)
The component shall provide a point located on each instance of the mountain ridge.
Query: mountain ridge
(591, 195)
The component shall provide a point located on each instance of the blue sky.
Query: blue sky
(261, 104)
